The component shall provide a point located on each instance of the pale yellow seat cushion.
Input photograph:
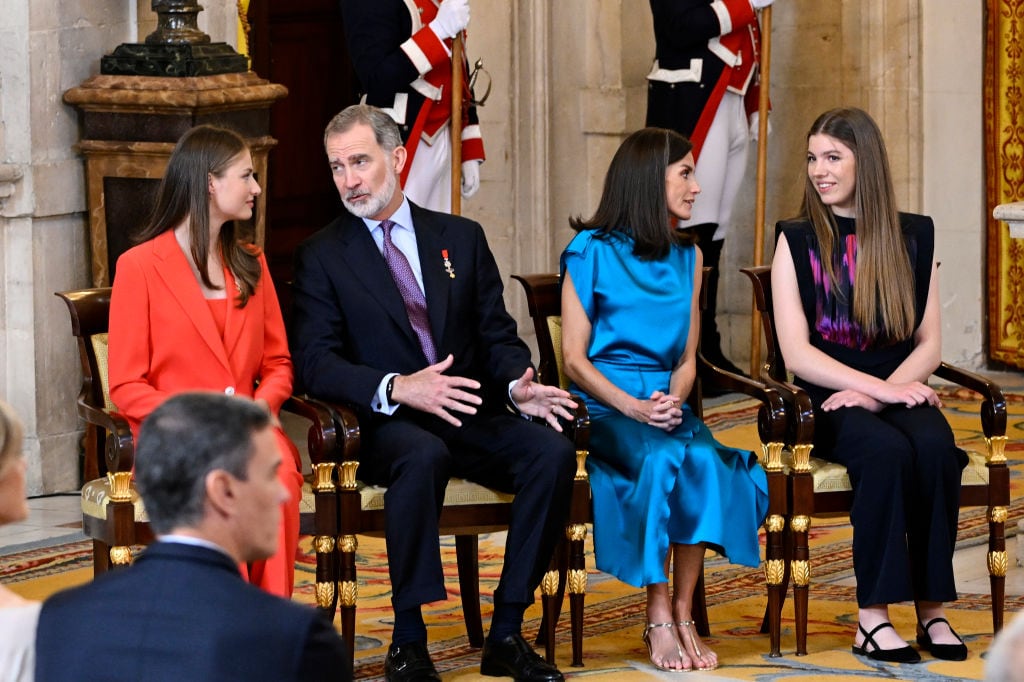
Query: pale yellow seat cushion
(831, 477)
(101, 349)
(458, 492)
(96, 497)
(555, 329)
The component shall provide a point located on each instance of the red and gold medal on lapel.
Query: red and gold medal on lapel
(447, 264)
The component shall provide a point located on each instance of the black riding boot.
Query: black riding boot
(710, 338)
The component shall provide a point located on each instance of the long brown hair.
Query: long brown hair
(633, 200)
(881, 304)
(184, 193)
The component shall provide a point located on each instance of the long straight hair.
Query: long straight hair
(633, 200)
(881, 304)
(184, 194)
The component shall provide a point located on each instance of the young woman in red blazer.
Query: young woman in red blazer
(193, 307)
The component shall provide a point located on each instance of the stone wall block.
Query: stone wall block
(603, 110)
(65, 187)
(57, 471)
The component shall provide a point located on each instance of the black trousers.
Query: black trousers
(905, 469)
(712, 251)
(415, 454)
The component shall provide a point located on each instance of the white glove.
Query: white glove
(452, 18)
(755, 126)
(761, 4)
(470, 178)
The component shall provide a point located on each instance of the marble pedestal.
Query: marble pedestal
(1013, 215)
(141, 59)
(129, 127)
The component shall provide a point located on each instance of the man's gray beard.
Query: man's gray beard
(377, 201)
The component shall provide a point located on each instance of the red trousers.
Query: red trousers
(276, 574)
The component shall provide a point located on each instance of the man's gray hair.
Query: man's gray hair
(385, 130)
(183, 440)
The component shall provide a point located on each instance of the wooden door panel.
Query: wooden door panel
(301, 45)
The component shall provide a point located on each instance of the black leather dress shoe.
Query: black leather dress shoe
(409, 663)
(514, 657)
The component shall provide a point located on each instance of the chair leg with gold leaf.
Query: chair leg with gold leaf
(325, 543)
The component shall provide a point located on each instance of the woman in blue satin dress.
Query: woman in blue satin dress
(663, 488)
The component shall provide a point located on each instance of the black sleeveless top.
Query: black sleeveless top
(830, 313)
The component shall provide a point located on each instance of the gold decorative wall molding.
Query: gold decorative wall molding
(1003, 95)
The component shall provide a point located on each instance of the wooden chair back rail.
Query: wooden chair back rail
(805, 501)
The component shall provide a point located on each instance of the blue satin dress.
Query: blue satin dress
(652, 487)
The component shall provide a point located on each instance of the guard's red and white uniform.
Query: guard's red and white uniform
(406, 70)
(704, 85)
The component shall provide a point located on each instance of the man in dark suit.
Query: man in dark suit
(206, 465)
(398, 311)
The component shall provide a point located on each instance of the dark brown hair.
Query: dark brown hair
(184, 194)
(633, 200)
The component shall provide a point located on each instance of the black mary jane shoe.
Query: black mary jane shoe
(947, 652)
(409, 663)
(905, 654)
(514, 657)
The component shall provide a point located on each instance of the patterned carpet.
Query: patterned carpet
(614, 612)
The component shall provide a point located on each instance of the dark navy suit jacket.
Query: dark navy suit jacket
(183, 612)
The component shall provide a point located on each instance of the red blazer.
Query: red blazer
(163, 339)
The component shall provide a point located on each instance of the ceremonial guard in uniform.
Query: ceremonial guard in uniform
(704, 84)
(401, 50)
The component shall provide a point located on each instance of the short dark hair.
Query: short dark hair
(385, 130)
(183, 440)
(633, 200)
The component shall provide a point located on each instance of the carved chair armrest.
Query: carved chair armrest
(578, 430)
(343, 456)
(799, 410)
(346, 428)
(321, 439)
(120, 446)
(993, 406)
(771, 418)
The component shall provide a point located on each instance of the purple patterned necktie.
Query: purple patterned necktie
(415, 301)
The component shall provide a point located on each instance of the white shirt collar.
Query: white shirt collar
(402, 217)
(194, 541)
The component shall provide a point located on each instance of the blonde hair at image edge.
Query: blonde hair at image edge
(1005, 658)
(10, 435)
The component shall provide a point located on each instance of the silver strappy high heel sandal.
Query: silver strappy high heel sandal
(688, 628)
(646, 637)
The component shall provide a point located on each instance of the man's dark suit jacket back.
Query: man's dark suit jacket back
(183, 612)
